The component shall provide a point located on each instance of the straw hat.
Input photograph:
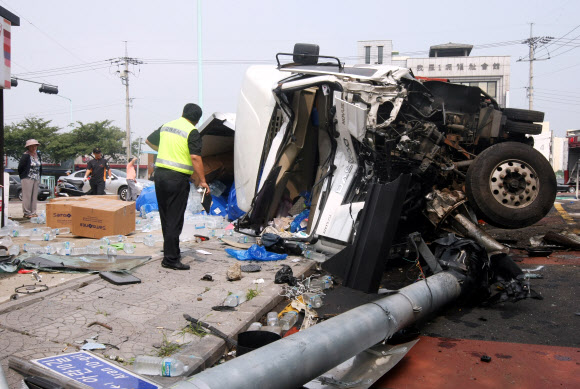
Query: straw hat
(31, 142)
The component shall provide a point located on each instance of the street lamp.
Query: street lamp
(71, 109)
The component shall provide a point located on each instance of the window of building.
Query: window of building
(367, 54)
(380, 54)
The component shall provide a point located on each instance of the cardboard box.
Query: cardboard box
(59, 211)
(97, 218)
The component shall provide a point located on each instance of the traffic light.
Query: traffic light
(13, 82)
(50, 89)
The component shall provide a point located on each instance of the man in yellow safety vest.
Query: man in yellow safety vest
(178, 146)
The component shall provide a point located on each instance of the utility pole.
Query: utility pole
(533, 42)
(124, 75)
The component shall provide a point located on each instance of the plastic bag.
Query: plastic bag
(147, 196)
(219, 206)
(233, 211)
(295, 225)
(255, 253)
(285, 276)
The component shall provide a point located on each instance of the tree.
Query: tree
(98, 134)
(16, 135)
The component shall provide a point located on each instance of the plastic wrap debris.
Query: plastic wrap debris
(275, 243)
(300, 222)
(255, 253)
(147, 197)
(233, 211)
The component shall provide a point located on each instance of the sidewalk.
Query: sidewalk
(141, 316)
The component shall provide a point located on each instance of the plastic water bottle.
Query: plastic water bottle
(14, 249)
(6, 241)
(62, 231)
(314, 255)
(93, 249)
(320, 283)
(129, 248)
(165, 367)
(116, 238)
(149, 240)
(288, 320)
(235, 299)
(272, 319)
(312, 300)
(255, 326)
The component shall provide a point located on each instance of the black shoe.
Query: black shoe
(175, 265)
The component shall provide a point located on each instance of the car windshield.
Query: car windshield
(16, 178)
(119, 173)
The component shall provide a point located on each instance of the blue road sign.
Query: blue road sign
(94, 372)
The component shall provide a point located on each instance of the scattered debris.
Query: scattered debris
(285, 276)
(485, 358)
(562, 240)
(119, 278)
(30, 289)
(234, 272)
(251, 268)
(93, 346)
(98, 323)
(204, 252)
(207, 277)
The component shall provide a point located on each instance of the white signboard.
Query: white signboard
(5, 36)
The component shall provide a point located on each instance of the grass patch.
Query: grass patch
(252, 293)
(167, 348)
(194, 329)
(99, 312)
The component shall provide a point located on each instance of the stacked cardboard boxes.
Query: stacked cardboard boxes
(92, 216)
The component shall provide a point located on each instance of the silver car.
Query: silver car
(117, 186)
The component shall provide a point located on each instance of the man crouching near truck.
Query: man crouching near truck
(178, 144)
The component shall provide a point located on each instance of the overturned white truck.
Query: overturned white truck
(316, 126)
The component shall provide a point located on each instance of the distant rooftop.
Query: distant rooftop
(450, 50)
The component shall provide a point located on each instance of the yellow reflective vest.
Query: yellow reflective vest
(173, 150)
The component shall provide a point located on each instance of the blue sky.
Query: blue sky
(83, 35)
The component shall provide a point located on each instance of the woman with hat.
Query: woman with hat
(30, 171)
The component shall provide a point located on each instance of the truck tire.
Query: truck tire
(511, 185)
(523, 115)
(523, 128)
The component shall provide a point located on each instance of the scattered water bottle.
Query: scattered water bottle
(149, 240)
(288, 320)
(33, 248)
(14, 250)
(314, 255)
(46, 236)
(93, 249)
(79, 251)
(235, 299)
(166, 367)
(65, 249)
(312, 300)
(129, 248)
(36, 234)
(50, 249)
(111, 254)
(255, 326)
(62, 231)
(138, 239)
(6, 241)
(246, 239)
(274, 329)
(272, 319)
(322, 283)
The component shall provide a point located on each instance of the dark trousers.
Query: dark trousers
(172, 190)
(97, 188)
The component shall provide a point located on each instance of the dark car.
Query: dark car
(16, 189)
(561, 187)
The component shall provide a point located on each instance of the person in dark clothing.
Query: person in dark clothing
(30, 171)
(179, 154)
(98, 169)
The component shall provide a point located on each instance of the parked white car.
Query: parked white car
(117, 186)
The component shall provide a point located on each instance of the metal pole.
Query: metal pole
(298, 359)
(531, 86)
(127, 119)
(199, 67)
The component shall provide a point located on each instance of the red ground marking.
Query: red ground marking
(455, 363)
(557, 258)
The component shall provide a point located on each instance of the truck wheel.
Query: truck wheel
(571, 189)
(523, 128)
(523, 115)
(123, 192)
(511, 185)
